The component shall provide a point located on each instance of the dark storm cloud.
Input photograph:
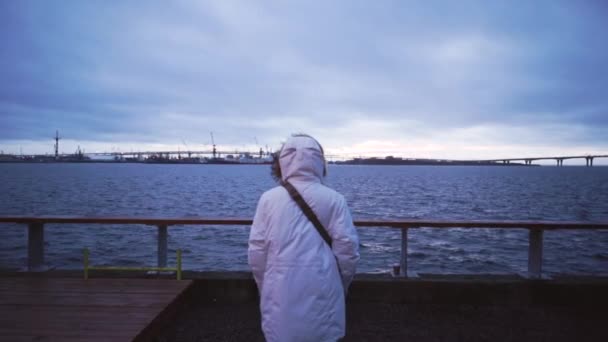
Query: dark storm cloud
(151, 72)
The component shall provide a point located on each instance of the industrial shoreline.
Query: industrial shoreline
(388, 161)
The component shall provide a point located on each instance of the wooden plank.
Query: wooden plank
(154, 328)
(93, 290)
(87, 315)
(107, 328)
(110, 333)
(87, 299)
(51, 309)
(99, 322)
(93, 285)
(61, 338)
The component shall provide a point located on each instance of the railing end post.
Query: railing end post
(404, 262)
(35, 247)
(179, 264)
(85, 258)
(162, 245)
(535, 253)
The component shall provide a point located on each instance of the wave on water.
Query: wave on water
(372, 192)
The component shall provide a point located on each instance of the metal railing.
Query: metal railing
(535, 229)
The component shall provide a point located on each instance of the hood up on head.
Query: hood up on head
(301, 158)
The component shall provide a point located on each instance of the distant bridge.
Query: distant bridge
(559, 160)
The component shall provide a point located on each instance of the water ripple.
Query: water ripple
(374, 192)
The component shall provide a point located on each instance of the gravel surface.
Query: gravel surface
(404, 322)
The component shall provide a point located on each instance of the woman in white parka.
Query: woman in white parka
(301, 279)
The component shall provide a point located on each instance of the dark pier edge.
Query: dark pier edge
(445, 289)
(583, 293)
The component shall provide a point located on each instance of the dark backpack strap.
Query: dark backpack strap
(307, 211)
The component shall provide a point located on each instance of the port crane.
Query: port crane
(213, 143)
(57, 144)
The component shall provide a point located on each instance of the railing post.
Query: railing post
(35, 247)
(403, 264)
(535, 253)
(85, 260)
(162, 245)
(179, 264)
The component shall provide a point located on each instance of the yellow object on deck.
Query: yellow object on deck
(88, 267)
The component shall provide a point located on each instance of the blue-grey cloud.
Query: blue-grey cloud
(152, 71)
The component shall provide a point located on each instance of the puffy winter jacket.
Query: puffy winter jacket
(301, 289)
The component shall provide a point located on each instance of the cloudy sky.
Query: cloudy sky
(453, 79)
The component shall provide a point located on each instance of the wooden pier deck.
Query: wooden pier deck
(64, 309)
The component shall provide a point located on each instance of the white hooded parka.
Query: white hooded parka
(301, 289)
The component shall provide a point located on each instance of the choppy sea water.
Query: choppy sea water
(378, 192)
